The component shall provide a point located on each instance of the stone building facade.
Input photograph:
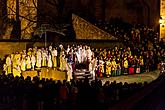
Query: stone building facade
(132, 11)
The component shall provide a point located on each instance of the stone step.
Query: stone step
(81, 77)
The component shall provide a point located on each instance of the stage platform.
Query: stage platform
(47, 73)
(62, 75)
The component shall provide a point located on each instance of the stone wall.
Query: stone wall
(10, 47)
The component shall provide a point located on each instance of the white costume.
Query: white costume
(39, 58)
(8, 64)
(44, 58)
(68, 49)
(69, 71)
(80, 54)
(78, 57)
(28, 62)
(54, 57)
(62, 61)
(89, 54)
(33, 61)
(23, 64)
(16, 71)
(5, 69)
(83, 55)
(50, 64)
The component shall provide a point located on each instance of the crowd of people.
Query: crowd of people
(55, 58)
(100, 62)
(35, 94)
(129, 34)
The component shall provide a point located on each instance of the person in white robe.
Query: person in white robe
(5, 69)
(54, 57)
(23, 64)
(50, 64)
(33, 61)
(78, 57)
(80, 54)
(12, 57)
(94, 67)
(16, 70)
(29, 52)
(83, 54)
(44, 58)
(39, 59)
(62, 58)
(17, 58)
(68, 50)
(89, 54)
(50, 48)
(28, 63)
(9, 64)
(69, 71)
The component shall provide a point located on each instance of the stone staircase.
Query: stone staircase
(82, 74)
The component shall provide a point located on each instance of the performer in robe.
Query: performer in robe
(62, 58)
(54, 57)
(28, 62)
(9, 64)
(68, 49)
(108, 68)
(80, 54)
(23, 64)
(118, 71)
(23, 54)
(83, 54)
(141, 64)
(39, 59)
(89, 54)
(12, 57)
(125, 66)
(50, 64)
(5, 69)
(74, 61)
(137, 66)
(114, 67)
(17, 58)
(33, 61)
(69, 71)
(50, 48)
(16, 70)
(94, 65)
(44, 58)
(100, 68)
(29, 52)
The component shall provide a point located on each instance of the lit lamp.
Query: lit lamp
(161, 20)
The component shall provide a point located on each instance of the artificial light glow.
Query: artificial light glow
(161, 21)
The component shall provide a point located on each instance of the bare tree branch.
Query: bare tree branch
(22, 16)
